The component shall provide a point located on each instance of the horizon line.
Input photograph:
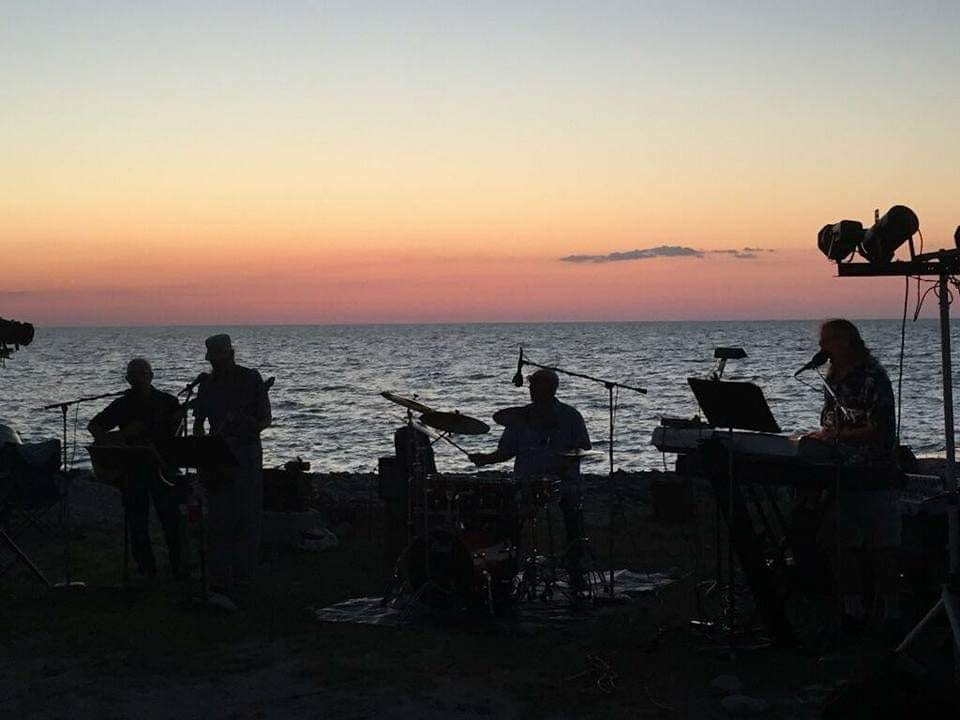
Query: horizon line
(466, 322)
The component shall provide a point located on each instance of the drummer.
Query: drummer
(535, 437)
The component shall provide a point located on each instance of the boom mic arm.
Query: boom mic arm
(518, 377)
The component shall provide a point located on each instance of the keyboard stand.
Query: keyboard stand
(734, 406)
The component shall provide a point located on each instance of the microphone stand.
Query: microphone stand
(840, 415)
(611, 386)
(65, 507)
(197, 490)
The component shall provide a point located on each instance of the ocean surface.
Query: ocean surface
(326, 403)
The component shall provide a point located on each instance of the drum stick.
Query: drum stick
(440, 436)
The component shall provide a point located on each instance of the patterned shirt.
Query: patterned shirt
(866, 399)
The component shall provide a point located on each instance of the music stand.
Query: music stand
(115, 465)
(734, 406)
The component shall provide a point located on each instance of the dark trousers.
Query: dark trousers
(234, 518)
(141, 486)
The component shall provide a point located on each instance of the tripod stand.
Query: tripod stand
(945, 266)
(612, 389)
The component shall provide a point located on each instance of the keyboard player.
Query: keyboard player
(859, 419)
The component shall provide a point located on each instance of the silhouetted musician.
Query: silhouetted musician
(145, 417)
(859, 417)
(542, 430)
(235, 403)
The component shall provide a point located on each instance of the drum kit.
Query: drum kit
(466, 549)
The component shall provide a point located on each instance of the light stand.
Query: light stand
(610, 386)
(65, 508)
(945, 266)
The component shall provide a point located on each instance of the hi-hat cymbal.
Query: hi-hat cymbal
(509, 416)
(422, 429)
(454, 422)
(417, 407)
(578, 453)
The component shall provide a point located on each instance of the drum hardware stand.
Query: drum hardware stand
(65, 503)
(416, 474)
(587, 576)
(611, 386)
(531, 565)
(945, 266)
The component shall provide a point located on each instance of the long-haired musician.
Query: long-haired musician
(859, 418)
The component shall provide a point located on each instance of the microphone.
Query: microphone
(816, 361)
(197, 380)
(518, 378)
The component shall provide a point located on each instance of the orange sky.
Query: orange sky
(186, 164)
(467, 290)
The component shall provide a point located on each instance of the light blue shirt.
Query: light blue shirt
(534, 442)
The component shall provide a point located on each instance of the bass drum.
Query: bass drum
(467, 567)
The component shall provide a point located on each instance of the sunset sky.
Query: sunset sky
(320, 162)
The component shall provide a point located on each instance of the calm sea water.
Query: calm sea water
(326, 403)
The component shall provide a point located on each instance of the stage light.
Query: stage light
(877, 244)
(891, 231)
(15, 334)
(840, 240)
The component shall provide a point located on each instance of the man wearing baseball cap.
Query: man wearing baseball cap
(234, 403)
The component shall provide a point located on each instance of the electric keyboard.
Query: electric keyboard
(688, 439)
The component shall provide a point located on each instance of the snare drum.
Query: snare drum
(534, 493)
(482, 498)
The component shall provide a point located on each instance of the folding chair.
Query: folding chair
(29, 490)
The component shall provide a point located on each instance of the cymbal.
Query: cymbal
(578, 453)
(454, 422)
(509, 416)
(407, 403)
